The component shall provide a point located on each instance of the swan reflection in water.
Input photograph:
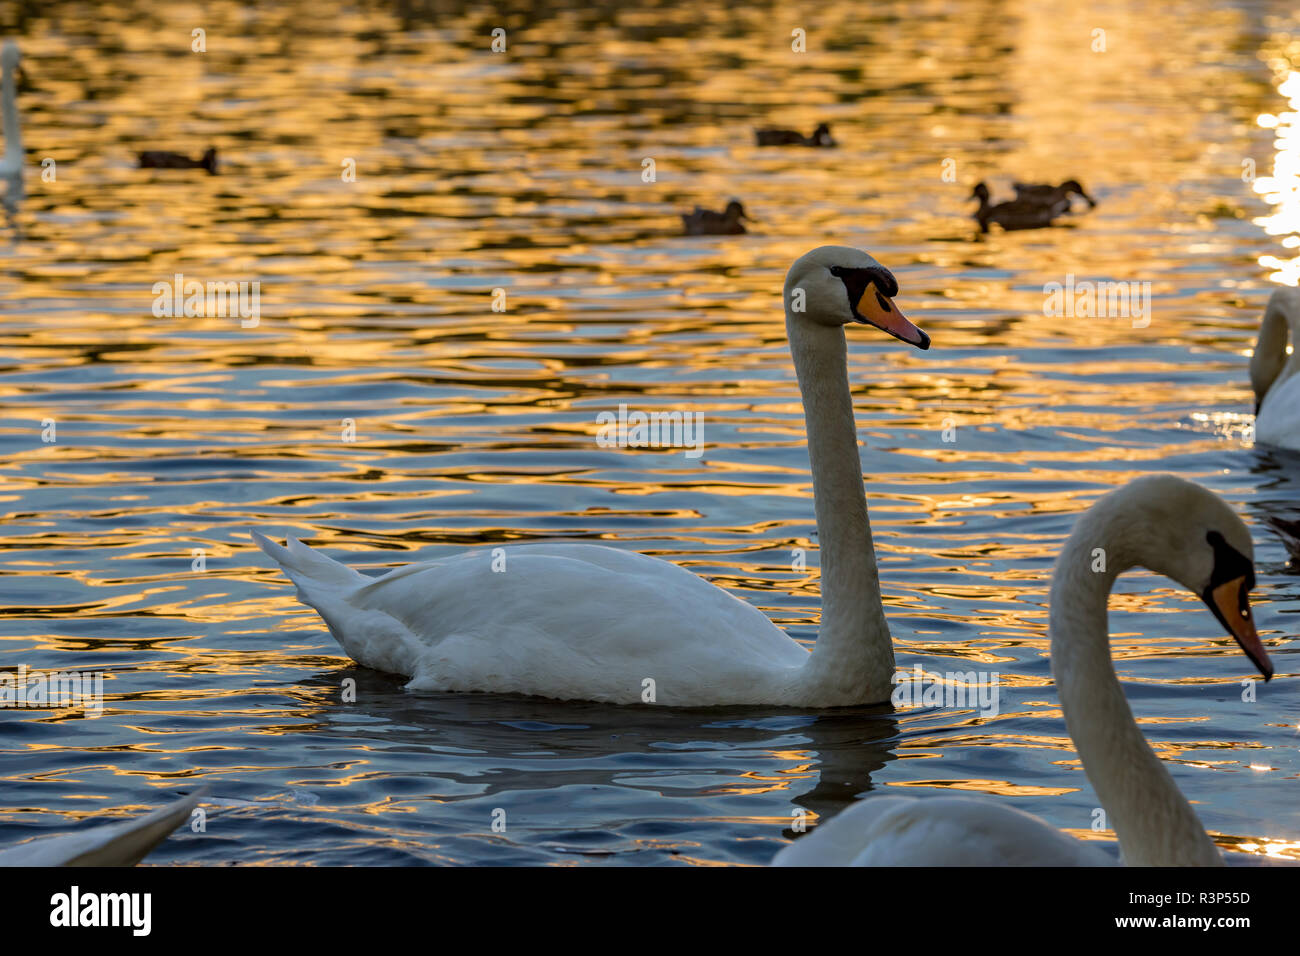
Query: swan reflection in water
(548, 764)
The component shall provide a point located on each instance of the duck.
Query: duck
(1015, 214)
(11, 165)
(578, 621)
(1273, 372)
(1163, 523)
(123, 843)
(706, 222)
(1056, 197)
(821, 137)
(162, 159)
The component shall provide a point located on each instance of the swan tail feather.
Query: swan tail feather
(308, 568)
(124, 843)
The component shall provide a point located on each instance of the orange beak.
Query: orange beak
(876, 308)
(1231, 606)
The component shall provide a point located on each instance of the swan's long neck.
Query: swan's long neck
(854, 657)
(1153, 820)
(1270, 355)
(13, 160)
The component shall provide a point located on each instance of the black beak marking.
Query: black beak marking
(856, 282)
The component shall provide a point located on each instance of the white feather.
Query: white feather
(123, 843)
(938, 831)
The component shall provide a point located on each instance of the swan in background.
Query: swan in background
(1273, 372)
(124, 843)
(11, 166)
(1171, 526)
(706, 222)
(587, 622)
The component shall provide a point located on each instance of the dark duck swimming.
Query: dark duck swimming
(821, 136)
(162, 159)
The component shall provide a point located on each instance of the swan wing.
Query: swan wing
(937, 831)
(124, 843)
(571, 621)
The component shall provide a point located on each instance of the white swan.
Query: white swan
(1160, 522)
(124, 843)
(585, 622)
(1273, 372)
(11, 165)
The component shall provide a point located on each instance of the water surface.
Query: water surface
(522, 171)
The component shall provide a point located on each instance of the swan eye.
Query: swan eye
(884, 303)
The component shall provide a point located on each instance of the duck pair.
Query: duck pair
(1035, 205)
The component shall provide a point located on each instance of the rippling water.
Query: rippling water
(522, 171)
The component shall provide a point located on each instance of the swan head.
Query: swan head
(838, 285)
(9, 55)
(1179, 529)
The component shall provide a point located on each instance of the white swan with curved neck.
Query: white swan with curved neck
(11, 165)
(1160, 522)
(586, 622)
(1273, 372)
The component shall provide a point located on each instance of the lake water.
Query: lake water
(522, 171)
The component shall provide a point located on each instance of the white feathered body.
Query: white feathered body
(1278, 421)
(937, 831)
(567, 621)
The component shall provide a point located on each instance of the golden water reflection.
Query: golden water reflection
(523, 172)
